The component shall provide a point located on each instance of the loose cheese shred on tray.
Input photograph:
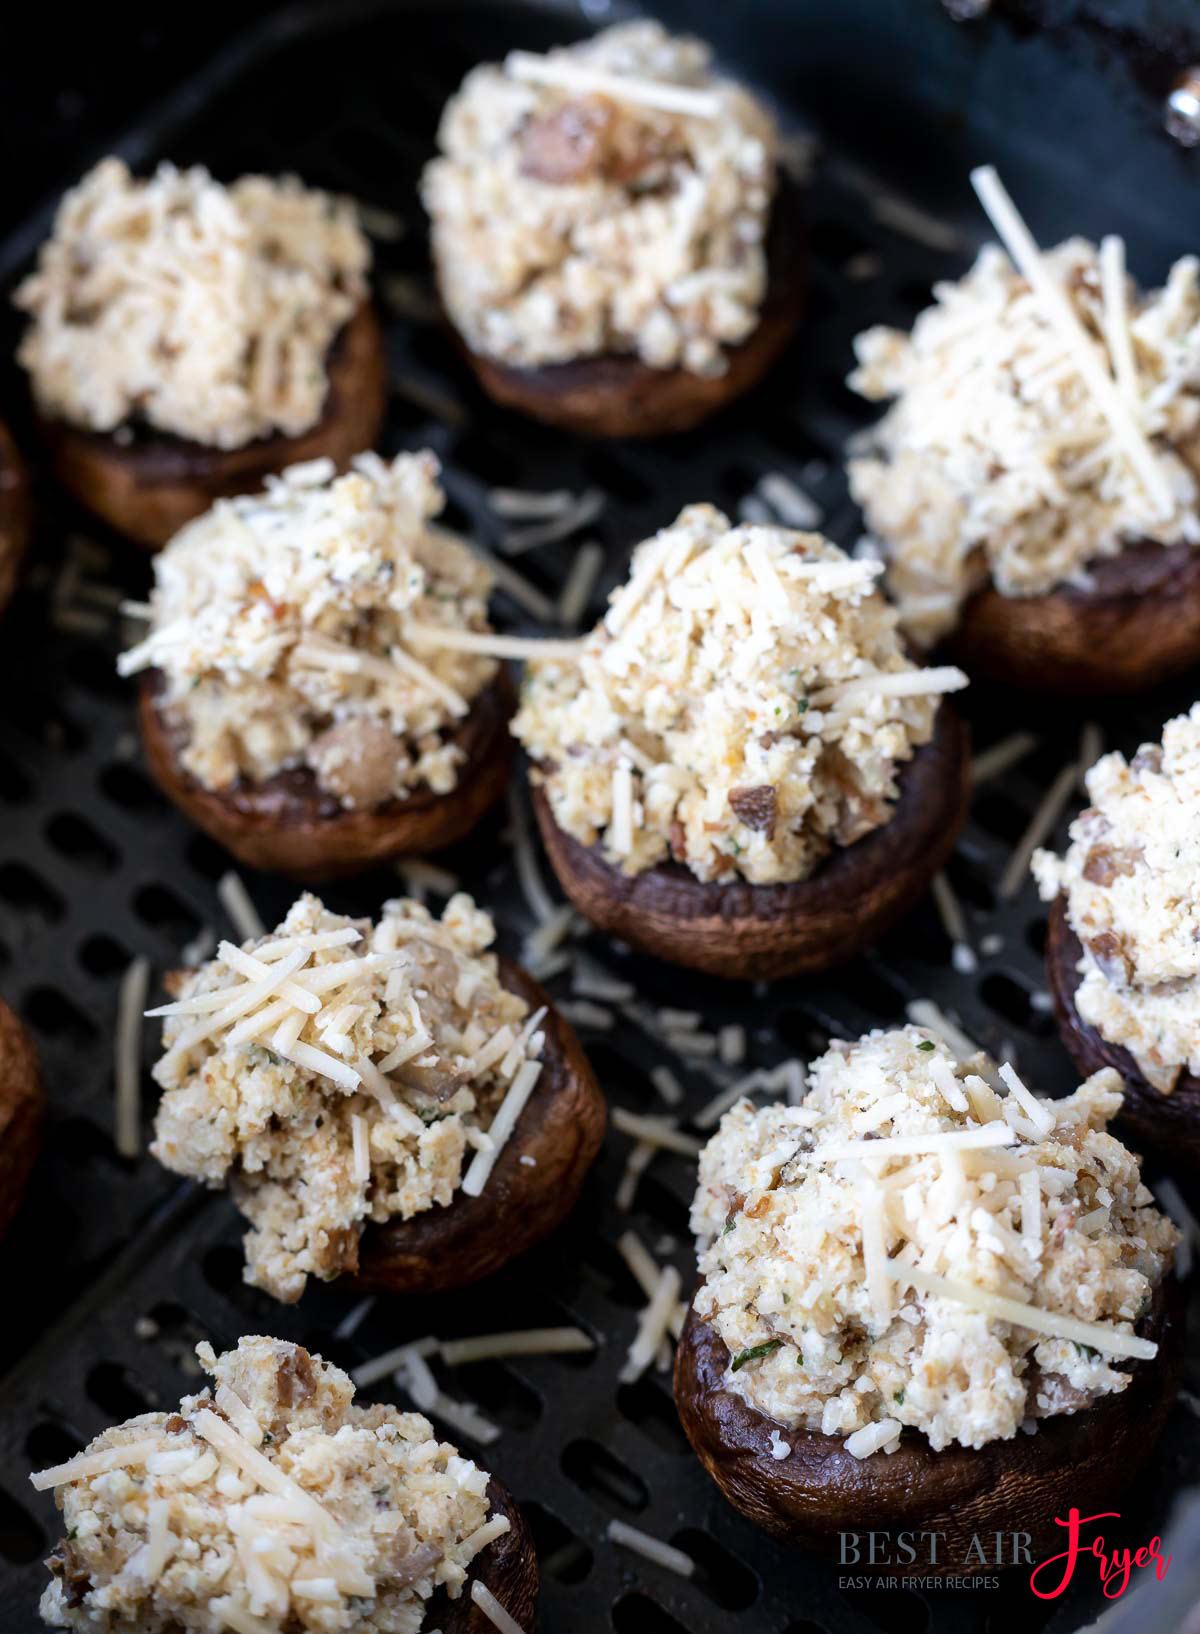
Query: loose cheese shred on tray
(918, 1275)
(655, 1132)
(526, 1342)
(237, 903)
(1023, 445)
(662, 1554)
(744, 708)
(131, 1001)
(280, 634)
(347, 1083)
(654, 1324)
(180, 1519)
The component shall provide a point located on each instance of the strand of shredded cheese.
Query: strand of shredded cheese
(569, 76)
(1054, 1324)
(1019, 242)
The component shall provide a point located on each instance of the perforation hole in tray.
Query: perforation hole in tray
(648, 1405)
(114, 1388)
(159, 906)
(75, 838)
(57, 1017)
(15, 787)
(129, 788)
(604, 1477)
(719, 1574)
(1012, 1001)
(498, 1394)
(21, 1538)
(561, 1555)
(638, 1614)
(102, 955)
(29, 894)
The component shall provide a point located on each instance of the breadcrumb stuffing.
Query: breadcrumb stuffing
(705, 719)
(794, 1241)
(1131, 880)
(568, 223)
(360, 1515)
(194, 308)
(302, 1113)
(996, 461)
(278, 626)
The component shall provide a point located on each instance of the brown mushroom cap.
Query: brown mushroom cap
(561, 1128)
(1169, 1124)
(820, 1490)
(1138, 624)
(14, 515)
(620, 396)
(22, 1102)
(290, 825)
(749, 932)
(149, 487)
(508, 1567)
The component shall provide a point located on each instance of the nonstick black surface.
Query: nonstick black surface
(113, 1269)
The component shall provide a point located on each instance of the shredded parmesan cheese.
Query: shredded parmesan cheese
(493, 1610)
(1054, 1323)
(131, 1001)
(652, 1325)
(662, 1554)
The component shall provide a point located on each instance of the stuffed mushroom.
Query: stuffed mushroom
(269, 1501)
(615, 243)
(739, 769)
(929, 1300)
(385, 1102)
(314, 692)
(1123, 955)
(187, 339)
(1041, 525)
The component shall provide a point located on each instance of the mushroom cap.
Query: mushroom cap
(15, 516)
(749, 932)
(22, 1103)
(1169, 1124)
(288, 824)
(1137, 624)
(149, 487)
(507, 1566)
(620, 396)
(820, 1490)
(560, 1127)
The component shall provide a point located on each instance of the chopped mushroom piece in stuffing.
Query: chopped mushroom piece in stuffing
(335, 1072)
(996, 461)
(804, 1217)
(268, 1502)
(570, 222)
(1131, 882)
(744, 706)
(190, 307)
(278, 633)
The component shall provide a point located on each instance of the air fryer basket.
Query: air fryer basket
(113, 1269)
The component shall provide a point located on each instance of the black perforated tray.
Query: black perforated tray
(113, 1270)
